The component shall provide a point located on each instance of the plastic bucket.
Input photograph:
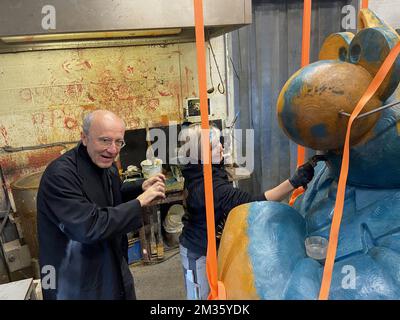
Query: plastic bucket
(134, 252)
(173, 225)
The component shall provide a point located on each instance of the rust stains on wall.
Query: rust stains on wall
(70, 123)
(75, 65)
(4, 134)
(42, 157)
(45, 94)
(26, 94)
(17, 164)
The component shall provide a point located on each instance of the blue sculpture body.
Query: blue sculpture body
(369, 238)
(368, 253)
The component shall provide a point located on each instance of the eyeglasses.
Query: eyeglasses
(107, 142)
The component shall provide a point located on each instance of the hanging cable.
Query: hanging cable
(211, 90)
(220, 87)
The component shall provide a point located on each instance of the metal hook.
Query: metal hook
(221, 84)
(211, 90)
(222, 91)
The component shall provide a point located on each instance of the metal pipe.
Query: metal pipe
(41, 146)
(366, 114)
(4, 222)
(5, 190)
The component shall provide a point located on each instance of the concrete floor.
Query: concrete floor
(160, 281)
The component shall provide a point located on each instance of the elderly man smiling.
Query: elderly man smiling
(84, 213)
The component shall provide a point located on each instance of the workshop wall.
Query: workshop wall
(44, 94)
(386, 10)
(265, 54)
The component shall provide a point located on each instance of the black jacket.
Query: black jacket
(82, 229)
(226, 197)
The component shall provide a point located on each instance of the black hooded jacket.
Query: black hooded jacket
(226, 197)
(82, 228)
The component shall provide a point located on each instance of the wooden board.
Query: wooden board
(18, 290)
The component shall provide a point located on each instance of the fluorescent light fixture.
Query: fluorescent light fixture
(92, 35)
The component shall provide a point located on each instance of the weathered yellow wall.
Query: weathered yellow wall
(44, 94)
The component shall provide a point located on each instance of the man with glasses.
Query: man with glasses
(84, 214)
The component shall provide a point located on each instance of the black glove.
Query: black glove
(303, 175)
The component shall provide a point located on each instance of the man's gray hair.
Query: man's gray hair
(87, 121)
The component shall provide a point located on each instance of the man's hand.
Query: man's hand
(303, 175)
(154, 192)
(149, 182)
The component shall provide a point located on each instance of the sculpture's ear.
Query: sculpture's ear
(368, 19)
(369, 49)
(336, 46)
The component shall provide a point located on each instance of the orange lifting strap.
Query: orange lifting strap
(305, 60)
(364, 4)
(217, 289)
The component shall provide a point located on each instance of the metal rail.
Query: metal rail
(366, 114)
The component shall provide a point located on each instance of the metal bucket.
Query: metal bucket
(24, 192)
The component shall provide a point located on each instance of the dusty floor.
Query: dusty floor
(160, 281)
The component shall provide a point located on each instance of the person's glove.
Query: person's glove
(303, 175)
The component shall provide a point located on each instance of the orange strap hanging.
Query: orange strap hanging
(338, 211)
(305, 60)
(217, 290)
(364, 4)
(306, 35)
